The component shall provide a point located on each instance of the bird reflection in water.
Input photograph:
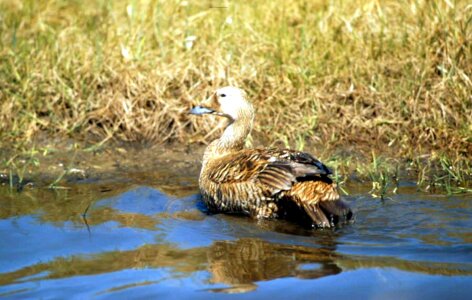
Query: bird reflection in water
(241, 263)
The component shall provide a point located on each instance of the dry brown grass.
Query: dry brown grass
(355, 75)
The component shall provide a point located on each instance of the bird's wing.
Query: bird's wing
(244, 165)
(275, 169)
(304, 164)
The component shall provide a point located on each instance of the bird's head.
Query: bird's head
(229, 102)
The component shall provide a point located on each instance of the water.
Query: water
(147, 235)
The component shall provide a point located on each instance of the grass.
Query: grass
(18, 168)
(325, 76)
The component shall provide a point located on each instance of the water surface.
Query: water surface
(148, 235)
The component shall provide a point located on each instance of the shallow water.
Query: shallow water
(148, 235)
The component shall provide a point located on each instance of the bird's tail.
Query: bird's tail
(321, 201)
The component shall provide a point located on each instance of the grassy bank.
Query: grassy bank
(338, 78)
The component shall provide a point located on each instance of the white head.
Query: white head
(229, 102)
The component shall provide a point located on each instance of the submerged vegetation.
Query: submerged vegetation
(368, 86)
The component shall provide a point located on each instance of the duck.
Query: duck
(263, 183)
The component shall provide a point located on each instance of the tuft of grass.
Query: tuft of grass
(382, 173)
(383, 177)
(440, 171)
(18, 166)
(435, 173)
(26, 166)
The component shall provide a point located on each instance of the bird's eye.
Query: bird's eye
(223, 95)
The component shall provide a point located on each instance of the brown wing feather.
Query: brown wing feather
(237, 167)
(278, 177)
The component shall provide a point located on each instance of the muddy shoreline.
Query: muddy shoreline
(69, 162)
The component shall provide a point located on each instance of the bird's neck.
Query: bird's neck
(233, 139)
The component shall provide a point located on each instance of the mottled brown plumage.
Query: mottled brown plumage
(263, 183)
